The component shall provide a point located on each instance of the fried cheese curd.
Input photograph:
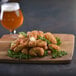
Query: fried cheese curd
(33, 46)
(49, 36)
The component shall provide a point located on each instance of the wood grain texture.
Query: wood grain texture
(67, 45)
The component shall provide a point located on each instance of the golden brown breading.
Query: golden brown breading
(18, 48)
(14, 44)
(45, 48)
(37, 46)
(21, 36)
(40, 33)
(24, 42)
(49, 36)
(36, 51)
(41, 43)
(32, 34)
(32, 44)
(35, 34)
(54, 46)
(38, 43)
(25, 51)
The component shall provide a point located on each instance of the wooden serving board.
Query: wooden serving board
(67, 45)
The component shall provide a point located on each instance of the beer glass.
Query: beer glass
(11, 16)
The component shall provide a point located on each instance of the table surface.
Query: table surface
(58, 16)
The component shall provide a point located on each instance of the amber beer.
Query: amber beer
(11, 17)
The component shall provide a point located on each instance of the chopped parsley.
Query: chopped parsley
(17, 55)
(58, 41)
(44, 39)
(23, 33)
(57, 53)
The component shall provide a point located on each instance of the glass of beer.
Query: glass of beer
(11, 16)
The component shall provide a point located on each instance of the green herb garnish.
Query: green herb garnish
(58, 41)
(45, 53)
(23, 33)
(44, 39)
(56, 53)
(17, 55)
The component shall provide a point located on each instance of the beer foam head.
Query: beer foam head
(10, 6)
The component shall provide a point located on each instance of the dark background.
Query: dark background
(48, 15)
(58, 16)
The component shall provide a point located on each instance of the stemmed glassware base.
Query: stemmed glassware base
(13, 32)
